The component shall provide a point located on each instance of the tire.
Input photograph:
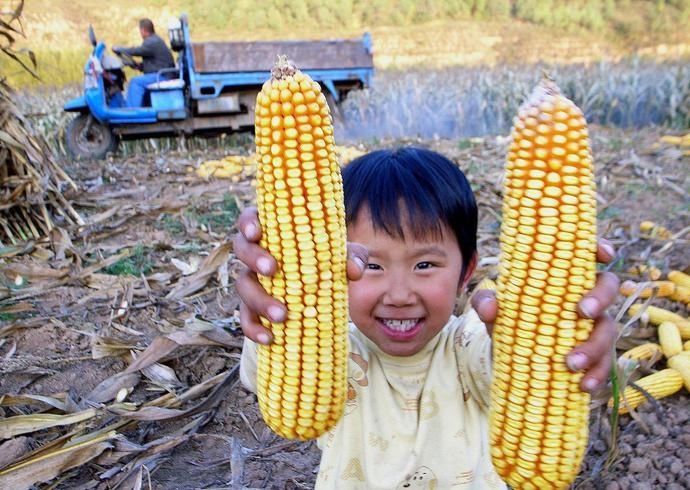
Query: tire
(88, 139)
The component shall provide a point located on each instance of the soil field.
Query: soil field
(149, 283)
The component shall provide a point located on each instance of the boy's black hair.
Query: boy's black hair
(431, 188)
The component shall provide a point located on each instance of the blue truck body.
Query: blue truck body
(211, 90)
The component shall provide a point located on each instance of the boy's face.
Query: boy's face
(409, 286)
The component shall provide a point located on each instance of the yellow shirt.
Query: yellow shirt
(410, 422)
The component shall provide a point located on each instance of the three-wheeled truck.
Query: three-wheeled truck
(211, 90)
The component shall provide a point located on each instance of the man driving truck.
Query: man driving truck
(155, 56)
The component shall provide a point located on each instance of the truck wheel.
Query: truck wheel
(86, 138)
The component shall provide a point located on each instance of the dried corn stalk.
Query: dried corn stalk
(30, 180)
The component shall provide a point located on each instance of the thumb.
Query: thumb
(484, 303)
(357, 258)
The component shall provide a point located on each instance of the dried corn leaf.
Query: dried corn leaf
(162, 375)
(130, 474)
(26, 399)
(162, 346)
(187, 268)
(109, 347)
(194, 282)
(14, 449)
(47, 465)
(108, 388)
(22, 424)
(226, 381)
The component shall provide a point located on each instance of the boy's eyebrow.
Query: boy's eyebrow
(429, 250)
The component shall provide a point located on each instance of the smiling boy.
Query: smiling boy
(419, 377)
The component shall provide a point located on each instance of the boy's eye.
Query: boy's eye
(424, 265)
(373, 267)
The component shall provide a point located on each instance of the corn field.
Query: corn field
(468, 102)
(449, 103)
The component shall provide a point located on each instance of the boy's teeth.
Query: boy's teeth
(400, 325)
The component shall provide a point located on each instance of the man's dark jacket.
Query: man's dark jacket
(155, 54)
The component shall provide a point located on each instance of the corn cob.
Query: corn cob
(658, 315)
(659, 288)
(680, 278)
(681, 294)
(682, 365)
(539, 414)
(659, 385)
(302, 374)
(643, 352)
(669, 338)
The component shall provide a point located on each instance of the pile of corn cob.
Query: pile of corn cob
(234, 167)
(674, 341)
(239, 167)
(683, 142)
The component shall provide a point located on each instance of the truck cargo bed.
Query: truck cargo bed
(217, 57)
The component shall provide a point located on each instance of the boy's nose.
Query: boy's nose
(399, 292)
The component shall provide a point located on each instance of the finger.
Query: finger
(485, 304)
(253, 256)
(606, 252)
(251, 326)
(604, 293)
(256, 300)
(357, 258)
(594, 355)
(248, 224)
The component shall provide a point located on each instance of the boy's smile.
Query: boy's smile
(409, 286)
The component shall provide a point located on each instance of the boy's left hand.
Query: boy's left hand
(593, 356)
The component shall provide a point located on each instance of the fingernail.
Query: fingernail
(590, 384)
(482, 301)
(359, 262)
(263, 265)
(608, 248)
(588, 306)
(576, 361)
(276, 313)
(250, 230)
(263, 338)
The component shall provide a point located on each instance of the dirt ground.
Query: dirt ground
(143, 278)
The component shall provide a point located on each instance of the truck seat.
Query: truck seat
(174, 84)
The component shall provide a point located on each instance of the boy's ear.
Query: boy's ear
(471, 266)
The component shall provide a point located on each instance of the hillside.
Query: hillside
(406, 33)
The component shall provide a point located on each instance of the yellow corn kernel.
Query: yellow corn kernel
(647, 271)
(686, 346)
(643, 352)
(550, 182)
(658, 288)
(681, 364)
(659, 385)
(680, 278)
(669, 339)
(302, 381)
(654, 230)
(659, 315)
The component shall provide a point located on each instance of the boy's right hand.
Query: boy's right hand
(254, 301)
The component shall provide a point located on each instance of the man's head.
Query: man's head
(415, 212)
(146, 28)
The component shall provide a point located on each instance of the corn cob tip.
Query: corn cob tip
(283, 68)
